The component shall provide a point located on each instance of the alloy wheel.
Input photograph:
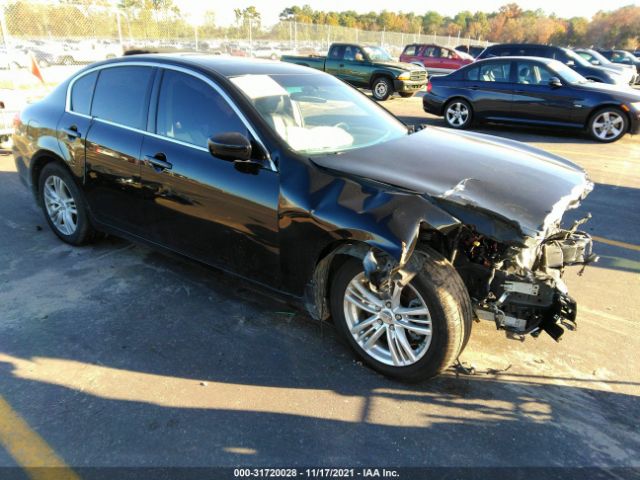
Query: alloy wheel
(457, 114)
(381, 89)
(395, 331)
(60, 205)
(608, 125)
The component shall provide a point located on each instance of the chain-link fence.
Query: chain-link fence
(60, 37)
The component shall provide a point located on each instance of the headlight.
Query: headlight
(404, 76)
(635, 106)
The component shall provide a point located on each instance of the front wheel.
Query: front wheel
(63, 205)
(608, 125)
(413, 334)
(382, 88)
(458, 114)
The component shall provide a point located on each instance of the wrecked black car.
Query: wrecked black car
(288, 177)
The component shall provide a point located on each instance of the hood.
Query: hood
(521, 185)
(620, 92)
(398, 65)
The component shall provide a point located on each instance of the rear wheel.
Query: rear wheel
(458, 114)
(381, 88)
(415, 333)
(63, 205)
(608, 125)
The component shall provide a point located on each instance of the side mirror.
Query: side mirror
(555, 82)
(570, 63)
(595, 62)
(230, 146)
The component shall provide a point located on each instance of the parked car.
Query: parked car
(564, 55)
(366, 67)
(437, 60)
(533, 91)
(596, 58)
(473, 50)
(622, 57)
(293, 179)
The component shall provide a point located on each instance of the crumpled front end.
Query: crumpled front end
(521, 289)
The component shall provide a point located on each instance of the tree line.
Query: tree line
(163, 19)
(617, 28)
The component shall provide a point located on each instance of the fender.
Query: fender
(320, 208)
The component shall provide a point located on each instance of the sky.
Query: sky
(269, 9)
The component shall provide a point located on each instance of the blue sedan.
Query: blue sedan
(533, 91)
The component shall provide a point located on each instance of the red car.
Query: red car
(438, 60)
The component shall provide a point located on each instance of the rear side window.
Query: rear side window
(336, 52)
(81, 93)
(471, 74)
(191, 111)
(121, 95)
(411, 50)
(494, 72)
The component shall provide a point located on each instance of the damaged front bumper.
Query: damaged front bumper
(536, 299)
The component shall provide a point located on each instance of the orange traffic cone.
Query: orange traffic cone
(35, 69)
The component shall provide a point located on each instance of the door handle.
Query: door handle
(520, 91)
(159, 160)
(473, 87)
(72, 132)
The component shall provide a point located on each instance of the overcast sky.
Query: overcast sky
(270, 9)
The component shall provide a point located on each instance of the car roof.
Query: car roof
(222, 65)
(515, 57)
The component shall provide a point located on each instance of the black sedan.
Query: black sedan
(288, 177)
(533, 91)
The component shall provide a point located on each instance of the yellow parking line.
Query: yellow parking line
(29, 449)
(616, 243)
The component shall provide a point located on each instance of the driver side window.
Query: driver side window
(191, 111)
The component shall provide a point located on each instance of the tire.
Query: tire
(439, 287)
(76, 228)
(406, 94)
(455, 116)
(608, 125)
(381, 88)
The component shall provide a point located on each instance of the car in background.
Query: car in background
(533, 91)
(367, 67)
(564, 55)
(473, 50)
(436, 59)
(622, 57)
(596, 58)
(289, 177)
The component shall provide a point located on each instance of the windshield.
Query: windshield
(378, 54)
(601, 58)
(316, 113)
(577, 58)
(566, 73)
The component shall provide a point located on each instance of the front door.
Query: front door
(207, 208)
(536, 101)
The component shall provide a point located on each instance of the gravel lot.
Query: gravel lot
(115, 355)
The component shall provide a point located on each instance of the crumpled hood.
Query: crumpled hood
(510, 180)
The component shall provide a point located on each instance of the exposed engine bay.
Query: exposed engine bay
(522, 290)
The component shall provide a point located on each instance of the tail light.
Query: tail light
(429, 87)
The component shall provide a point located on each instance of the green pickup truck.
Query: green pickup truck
(367, 67)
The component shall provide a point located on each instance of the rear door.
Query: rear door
(74, 124)
(490, 88)
(207, 208)
(535, 101)
(119, 110)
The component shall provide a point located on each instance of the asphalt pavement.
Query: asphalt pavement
(116, 355)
